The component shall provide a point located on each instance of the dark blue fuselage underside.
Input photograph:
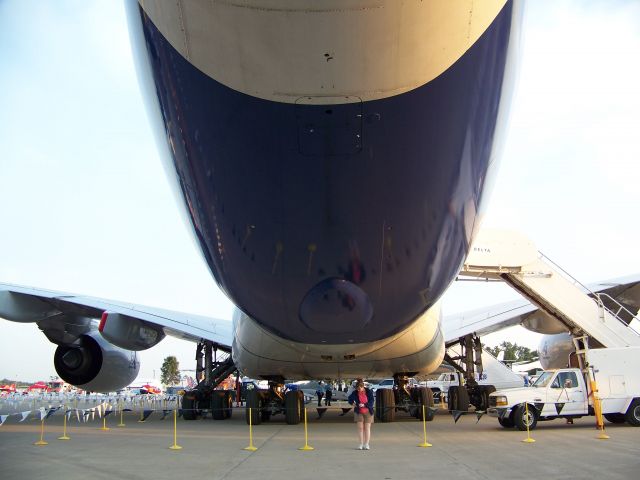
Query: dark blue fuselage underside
(333, 223)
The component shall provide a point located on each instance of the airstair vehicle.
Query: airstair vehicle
(553, 303)
(568, 305)
(593, 319)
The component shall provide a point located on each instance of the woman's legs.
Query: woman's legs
(361, 427)
(367, 432)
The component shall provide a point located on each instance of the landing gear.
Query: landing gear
(221, 403)
(469, 364)
(266, 403)
(479, 396)
(458, 399)
(190, 406)
(423, 399)
(254, 406)
(205, 398)
(294, 407)
(403, 398)
(385, 405)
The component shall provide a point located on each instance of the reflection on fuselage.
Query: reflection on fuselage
(332, 218)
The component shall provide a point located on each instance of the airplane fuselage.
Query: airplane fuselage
(332, 158)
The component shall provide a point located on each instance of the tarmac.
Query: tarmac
(213, 449)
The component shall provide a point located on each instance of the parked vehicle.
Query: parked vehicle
(569, 393)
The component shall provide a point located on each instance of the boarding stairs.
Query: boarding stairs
(513, 259)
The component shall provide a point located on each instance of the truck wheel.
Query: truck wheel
(254, 404)
(292, 407)
(524, 418)
(615, 417)
(458, 399)
(385, 405)
(506, 422)
(189, 406)
(633, 413)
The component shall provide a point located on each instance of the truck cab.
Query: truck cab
(556, 393)
(565, 393)
(561, 387)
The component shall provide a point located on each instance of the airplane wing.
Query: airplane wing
(60, 314)
(625, 290)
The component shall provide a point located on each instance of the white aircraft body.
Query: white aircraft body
(331, 158)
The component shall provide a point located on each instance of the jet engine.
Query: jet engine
(93, 364)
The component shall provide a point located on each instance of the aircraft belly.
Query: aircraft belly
(260, 354)
(331, 217)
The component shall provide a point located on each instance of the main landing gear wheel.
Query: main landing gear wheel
(483, 392)
(221, 404)
(190, 406)
(385, 405)
(292, 406)
(458, 399)
(254, 403)
(228, 403)
(423, 396)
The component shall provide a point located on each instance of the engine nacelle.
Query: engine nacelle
(94, 364)
(554, 351)
(128, 332)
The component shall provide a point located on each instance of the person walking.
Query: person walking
(320, 393)
(362, 400)
(328, 394)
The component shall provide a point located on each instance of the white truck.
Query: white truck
(568, 393)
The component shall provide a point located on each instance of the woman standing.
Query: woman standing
(362, 400)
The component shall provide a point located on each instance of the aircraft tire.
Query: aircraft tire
(458, 399)
(483, 393)
(385, 405)
(633, 413)
(217, 405)
(424, 396)
(254, 403)
(521, 420)
(190, 406)
(292, 407)
(228, 403)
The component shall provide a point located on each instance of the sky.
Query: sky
(85, 206)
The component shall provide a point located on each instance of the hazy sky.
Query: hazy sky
(85, 207)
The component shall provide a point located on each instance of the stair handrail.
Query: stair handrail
(596, 296)
(567, 274)
(621, 308)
